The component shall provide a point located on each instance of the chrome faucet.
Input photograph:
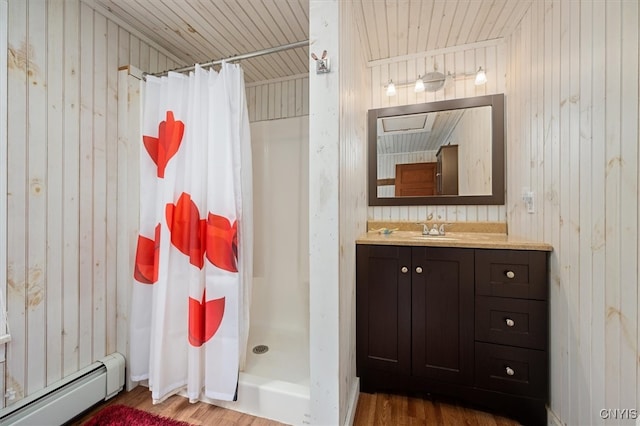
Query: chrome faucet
(425, 229)
(435, 229)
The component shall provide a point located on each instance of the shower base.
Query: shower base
(275, 384)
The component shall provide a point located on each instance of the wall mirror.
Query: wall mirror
(444, 152)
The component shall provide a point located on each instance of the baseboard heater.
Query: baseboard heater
(63, 400)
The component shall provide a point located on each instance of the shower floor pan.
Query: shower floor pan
(275, 384)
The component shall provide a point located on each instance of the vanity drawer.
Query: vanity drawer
(512, 370)
(511, 273)
(515, 322)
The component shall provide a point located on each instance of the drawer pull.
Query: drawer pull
(404, 269)
(510, 274)
(510, 322)
(510, 371)
(419, 269)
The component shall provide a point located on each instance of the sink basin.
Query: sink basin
(435, 238)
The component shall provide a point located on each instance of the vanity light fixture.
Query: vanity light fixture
(434, 81)
(419, 87)
(431, 82)
(391, 88)
(481, 77)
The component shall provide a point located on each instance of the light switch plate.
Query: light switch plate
(528, 197)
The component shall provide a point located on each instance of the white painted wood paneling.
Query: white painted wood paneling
(128, 195)
(573, 139)
(19, 63)
(62, 210)
(69, 198)
(279, 98)
(353, 97)
(204, 31)
(400, 27)
(54, 221)
(3, 189)
(36, 217)
(85, 324)
(474, 159)
(459, 60)
(324, 226)
(111, 190)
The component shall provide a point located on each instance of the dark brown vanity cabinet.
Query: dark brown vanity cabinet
(415, 312)
(511, 326)
(442, 314)
(469, 324)
(383, 313)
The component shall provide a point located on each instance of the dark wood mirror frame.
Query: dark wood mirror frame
(497, 152)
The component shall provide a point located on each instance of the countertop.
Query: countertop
(453, 239)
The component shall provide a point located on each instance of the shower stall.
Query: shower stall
(275, 381)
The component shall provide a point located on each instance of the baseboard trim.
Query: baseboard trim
(353, 402)
(552, 418)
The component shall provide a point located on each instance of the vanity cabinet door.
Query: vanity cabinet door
(383, 308)
(443, 314)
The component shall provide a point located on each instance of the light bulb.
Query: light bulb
(481, 77)
(391, 88)
(419, 85)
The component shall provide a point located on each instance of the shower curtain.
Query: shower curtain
(193, 265)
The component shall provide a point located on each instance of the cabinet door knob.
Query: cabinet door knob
(510, 322)
(419, 269)
(404, 269)
(510, 274)
(510, 371)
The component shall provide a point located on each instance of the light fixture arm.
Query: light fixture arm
(480, 78)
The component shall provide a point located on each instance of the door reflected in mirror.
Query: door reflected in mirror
(447, 152)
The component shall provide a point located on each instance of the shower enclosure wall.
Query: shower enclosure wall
(275, 382)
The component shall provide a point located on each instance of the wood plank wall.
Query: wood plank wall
(458, 60)
(128, 205)
(3, 183)
(354, 83)
(280, 98)
(62, 154)
(64, 157)
(573, 116)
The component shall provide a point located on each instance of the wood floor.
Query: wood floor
(399, 410)
(178, 408)
(373, 409)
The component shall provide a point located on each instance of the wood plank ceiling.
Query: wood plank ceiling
(198, 31)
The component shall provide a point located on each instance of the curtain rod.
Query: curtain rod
(233, 58)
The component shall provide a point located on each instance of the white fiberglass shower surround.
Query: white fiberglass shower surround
(274, 383)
